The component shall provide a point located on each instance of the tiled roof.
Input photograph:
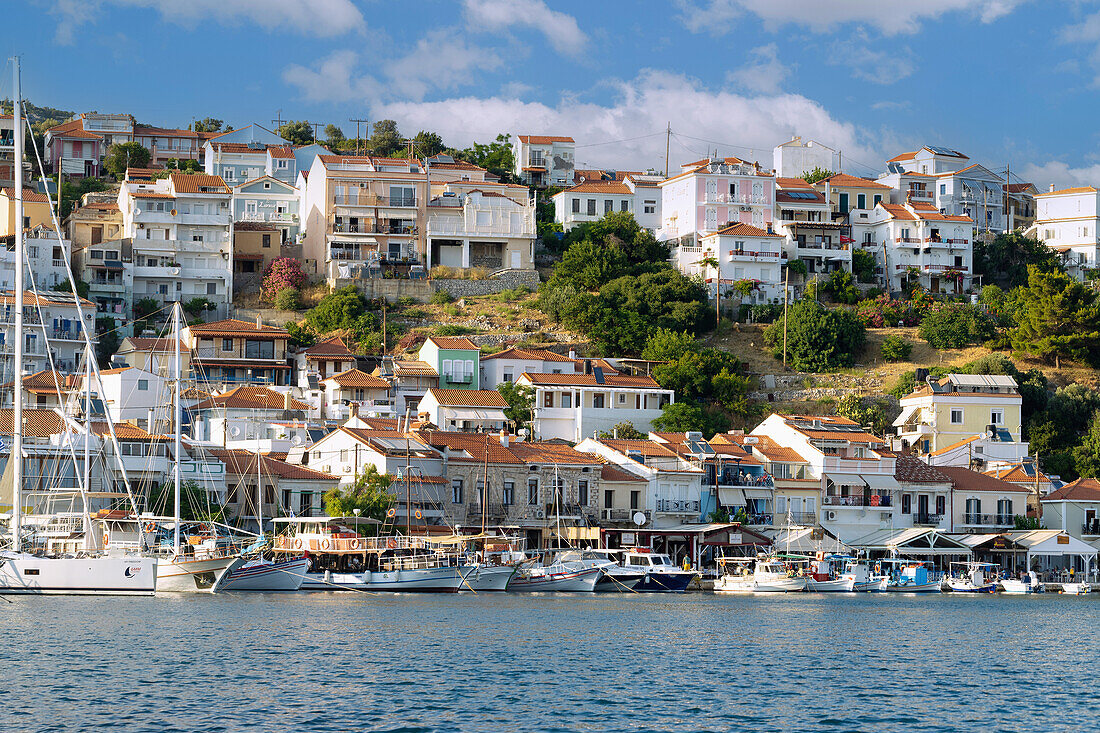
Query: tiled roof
(44, 298)
(915, 471)
(1064, 191)
(358, 378)
(151, 195)
(36, 423)
(589, 380)
(898, 212)
(796, 183)
(903, 156)
(163, 345)
(163, 131)
(516, 352)
(479, 446)
(843, 180)
(544, 139)
(414, 369)
(468, 397)
(30, 196)
(967, 480)
(614, 473)
(243, 463)
(196, 182)
(73, 128)
(1083, 489)
(741, 229)
(461, 165)
(772, 451)
(239, 148)
(1016, 474)
(453, 342)
(128, 432)
(281, 151)
(250, 397)
(645, 447)
(329, 348)
(614, 187)
(235, 327)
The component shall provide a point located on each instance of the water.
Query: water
(550, 663)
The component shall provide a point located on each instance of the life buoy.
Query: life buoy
(106, 539)
(417, 515)
(878, 567)
(355, 544)
(298, 543)
(325, 544)
(150, 527)
(391, 513)
(391, 543)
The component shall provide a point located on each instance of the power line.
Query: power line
(624, 140)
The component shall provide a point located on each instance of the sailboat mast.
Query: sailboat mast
(87, 437)
(259, 489)
(176, 422)
(17, 370)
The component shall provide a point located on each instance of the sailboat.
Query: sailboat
(116, 572)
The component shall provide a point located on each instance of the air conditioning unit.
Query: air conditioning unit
(347, 469)
(830, 516)
(540, 514)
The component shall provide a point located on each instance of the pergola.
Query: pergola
(1050, 552)
(916, 542)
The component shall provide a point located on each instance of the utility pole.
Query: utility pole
(278, 121)
(786, 298)
(357, 120)
(314, 125)
(668, 136)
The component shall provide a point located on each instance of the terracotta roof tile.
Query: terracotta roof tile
(898, 212)
(544, 139)
(1083, 489)
(235, 327)
(329, 348)
(609, 472)
(30, 196)
(1064, 191)
(414, 369)
(243, 463)
(36, 423)
(453, 342)
(589, 380)
(199, 183)
(358, 378)
(740, 229)
(468, 397)
(250, 397)
(517, 352)
(612, 187)
(967, 480)
(915, 471)
(162, 345)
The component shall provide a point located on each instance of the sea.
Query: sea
(555, 662)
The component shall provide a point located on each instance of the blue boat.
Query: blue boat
(660, 574)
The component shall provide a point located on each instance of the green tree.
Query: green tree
(107, 341)
(955, 325)
(386, 140)
(818, 339)
(495, 157)
(864, 410)
(297, 132)
(208, 124)
(682, 417)
(1057, 317)
(817, 174)
(896, 348)
(288, 299)
(428, 143)
(840, 287)
(121, 156)
(334, 136)
(369, 494)
(196, 306)
(863, 265)
(622, 431)
(521, 402)
(300, 337)
(195, 505)
(66, 287)
(1006, 260)
(344, 308)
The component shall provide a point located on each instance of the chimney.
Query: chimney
(572, 354)
(1052, 188)
(353, 409)
(587, 366)
(259, 321)
(286, 400)
(504, 437)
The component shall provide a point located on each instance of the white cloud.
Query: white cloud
(1087, 32)
(307, 17)
(864, 62)
(440, 61)
(765, 73)
(737, 124)
(894, 17)
(560, 29)
(333, 80)
(1060, 174)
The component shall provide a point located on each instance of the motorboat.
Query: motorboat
(615, 576)
(485, 576)
(861, 577)
(660, 574)
(1076, 589)
(558, 576)
(769, 575)
(262, 571)
(971, 577)
(823, 578)
(1019, 586)
(340, 558)
(910, 576)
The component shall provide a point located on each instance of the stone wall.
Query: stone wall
(421, 290)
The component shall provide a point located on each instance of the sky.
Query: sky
(1007, 82)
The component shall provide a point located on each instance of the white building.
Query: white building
(1066, 220)
(474, 225)
(743, 252)
(953, 184)
(509, 364)
(464, 410)
(576, 406)
(915, 241)
(355, 392)
(44, 259)
(794, 158)
(134, 395)
(252, 418)
(348, 452)
(49, 318)
(804, 216)
(544, 160)
(591, 200)
(709, 195)
(181, 227)
(268, 200)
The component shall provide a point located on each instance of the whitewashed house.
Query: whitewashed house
(507, 365)
(576, 406)
(355, 392)
(743, 252)
(464, 410)
(1066, 220)
(51, 327)
(796, 157)
(544, 160)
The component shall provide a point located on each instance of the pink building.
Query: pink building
(709, 195)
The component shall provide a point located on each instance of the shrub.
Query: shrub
(283, 272)
(405, 301)
(441, 297)
(818, 339)
(766, 313)
(840, 287)
(886, 312)
(451, 329)
(415, 313)
(955, 325)
(895, 348)
(288, 299)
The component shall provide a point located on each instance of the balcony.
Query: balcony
(274, 217)
(923, 519)
(1091, 528)
(754, 255)
(988, 520)
(743, 199)
(208, 353)
(366, 227)
(491, 511)
(860, 500)
(370, 199)
(500, 224)
(795, 518)
(675, 506)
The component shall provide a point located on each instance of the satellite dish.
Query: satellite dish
(296, 440)
(639, 518)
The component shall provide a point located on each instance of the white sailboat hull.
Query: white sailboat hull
(732, 584)
(21, 573)
(580, 580)
(177, 575)
(437, 580)
(840, 585)
(1076, 589)
(264, 575)
(486, 577)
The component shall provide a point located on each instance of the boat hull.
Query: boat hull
(751, 585)
(965, 586)
(915, 588)
(486, 577)
(264, 576)
(870, 586)
(1076, 589)
(25, 574)
(615, 582)
(420, 580)
(670, 582)
(840, 585)
(582, 580)
(193, 576)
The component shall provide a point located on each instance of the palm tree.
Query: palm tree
(708, 261)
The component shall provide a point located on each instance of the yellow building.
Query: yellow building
(845, 192)
(944, 412)
(36, 210)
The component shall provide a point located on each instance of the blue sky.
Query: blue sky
(1005, 81)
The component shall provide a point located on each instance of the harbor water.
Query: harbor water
(594, 662)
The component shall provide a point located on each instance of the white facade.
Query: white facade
(51, 327)
(955, 186)
(673, 491)
(575, 407)
(132, 394)
(356, 393)
(592, 200)
(709, 195)
(510, 364)
(481, 227)
(1066, 220)
(544, 160)
(44, 261)
(181, 228)
(803, 215)
(915, 240)
(743, 253)
(795, 157)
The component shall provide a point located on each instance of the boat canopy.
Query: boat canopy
(325, 520)
(916, 541)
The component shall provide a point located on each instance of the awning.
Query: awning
(736, 497)
(907, 413)
(846, 479)
(880, 481)
(469, 413)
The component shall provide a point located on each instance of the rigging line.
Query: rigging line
(624, 140)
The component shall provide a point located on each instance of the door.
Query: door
(515, 260)
(922, 508)
(712, 190)
(844, 203)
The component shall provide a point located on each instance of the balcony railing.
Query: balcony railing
(370, 199)
(491, 510)
(754, 254)
(1092, 527)
(783, 519)
(371, 228)
(730, 198)
(686, 506)
(860, 500)
(272, 216)
(988, 520)
(923, 519)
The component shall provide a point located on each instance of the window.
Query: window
(941, 505)
(582, 492)
(402, 196)
(597, 400)
(861, 201)
(608, 206)
(906, 503)
(956, 416)
(635, 499)
(456, 491)
(576, 205)
(591, 207)
(973, 511)
(97, 255)
(227, 344)
(622, 398)
(608, 498)
(624, 205)
(844, 203)
(532, 491)
(267, 241)
(211, 288)
(259, 349)
(508, 494)
(508, 376)
(877, 199)
(305, 503)
(997, 417)
(566, 399)
(143, 385)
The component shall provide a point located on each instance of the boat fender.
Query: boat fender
(298, 543)
(106, 539)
